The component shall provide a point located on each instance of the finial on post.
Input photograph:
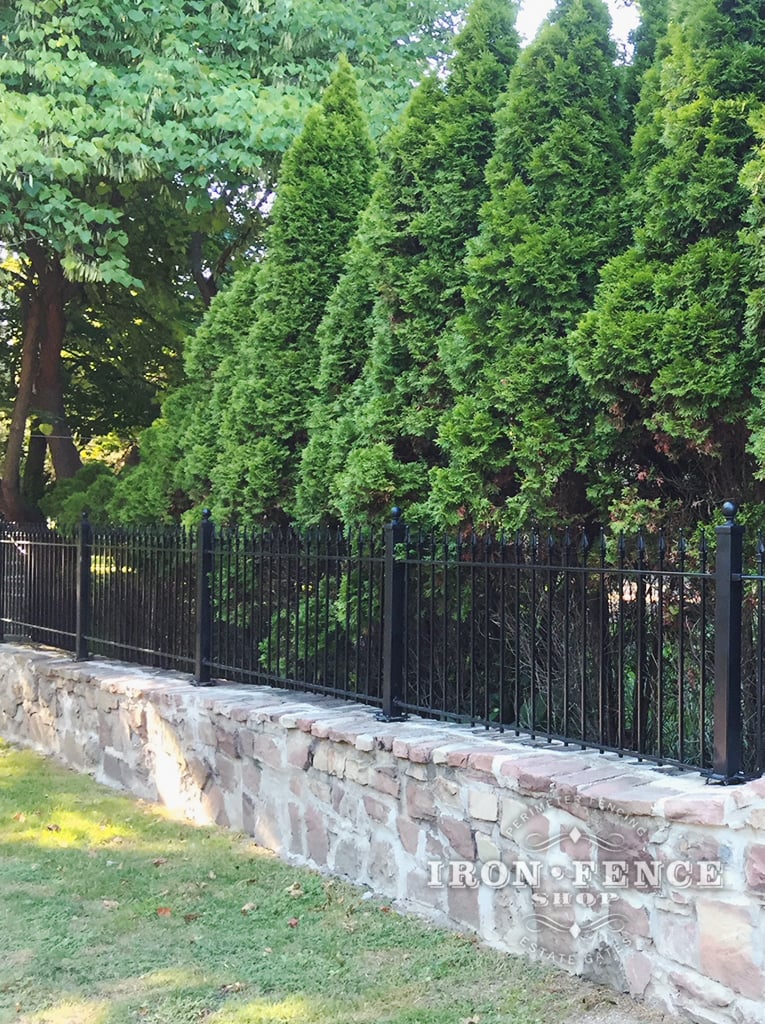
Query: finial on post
(206, 515)
(729, 509)
(395, 513)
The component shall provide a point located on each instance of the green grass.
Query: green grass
(111, 913)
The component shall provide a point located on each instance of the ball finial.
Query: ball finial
(395, 513)
(206, 514)
(730, 508)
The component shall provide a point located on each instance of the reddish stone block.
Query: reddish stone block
(419, 892)
(755, 867)
(227, 773)
(460, 837)
(463, 907)
(752, 792)
(228, 743)
(317, 837)
(267, 751)
(727, 944)
(301, 750)
(483, 763)
(458, 758)
(638, 970)
(409, 833)
(629, 795)
(297, 830)
(418, 749)
(420, 804)
(306, 723)
(697, 810)
(382, 866)
(347, 859)
(629, 921)
(385, 780)
(703, 990)
(377, 810)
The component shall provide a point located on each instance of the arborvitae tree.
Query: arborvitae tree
(260, 394)
(521, 416)
(665, 349)
(374, 429)
(179, 451)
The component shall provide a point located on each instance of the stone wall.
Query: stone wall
(635, 876)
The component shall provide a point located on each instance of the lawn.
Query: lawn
(110, 913)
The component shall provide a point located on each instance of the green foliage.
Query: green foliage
(179, 451)
(554, 214)
(138, 149)
(91, 490)
(381, 385)
(668, 349)
(200, 98)
(261, 402)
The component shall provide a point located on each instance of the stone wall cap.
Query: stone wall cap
(524, 763)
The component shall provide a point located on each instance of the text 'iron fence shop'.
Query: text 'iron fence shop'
(647, 648)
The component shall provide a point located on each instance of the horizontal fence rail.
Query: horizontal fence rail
(649, 646)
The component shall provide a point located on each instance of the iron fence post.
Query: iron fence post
(205, 566)
(84, 583)
(728, 745)
(394, 585)
(2, 577)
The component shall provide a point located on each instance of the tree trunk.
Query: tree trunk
(33, 480)
(49, 385)
(205, 281)
(40, 383)
(14, 506)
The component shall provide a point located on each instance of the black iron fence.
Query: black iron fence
(646, 647)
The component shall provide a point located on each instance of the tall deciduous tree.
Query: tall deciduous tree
(381, 383)
(520, 415)
(112, 114)
(665, 349)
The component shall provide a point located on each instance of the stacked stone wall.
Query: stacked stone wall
(639, 877)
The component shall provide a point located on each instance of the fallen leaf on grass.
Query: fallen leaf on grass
(385, 910)
(295, 890)
(164, 911)
(293, 922)
(110, 904)
(248, 907)
(19, 817)
(235, 986)
(53, 828)
(188, 918)
(211, 874)
(159, 862)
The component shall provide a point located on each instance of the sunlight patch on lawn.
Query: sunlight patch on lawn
(82, 1012)
(62, 829)
(293, 1010)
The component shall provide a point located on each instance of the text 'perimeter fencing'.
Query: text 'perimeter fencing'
(646, 648)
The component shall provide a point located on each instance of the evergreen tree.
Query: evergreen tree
(179, 451)
(260, 393)
(665, 348)
(381, 384)
(520, 415)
